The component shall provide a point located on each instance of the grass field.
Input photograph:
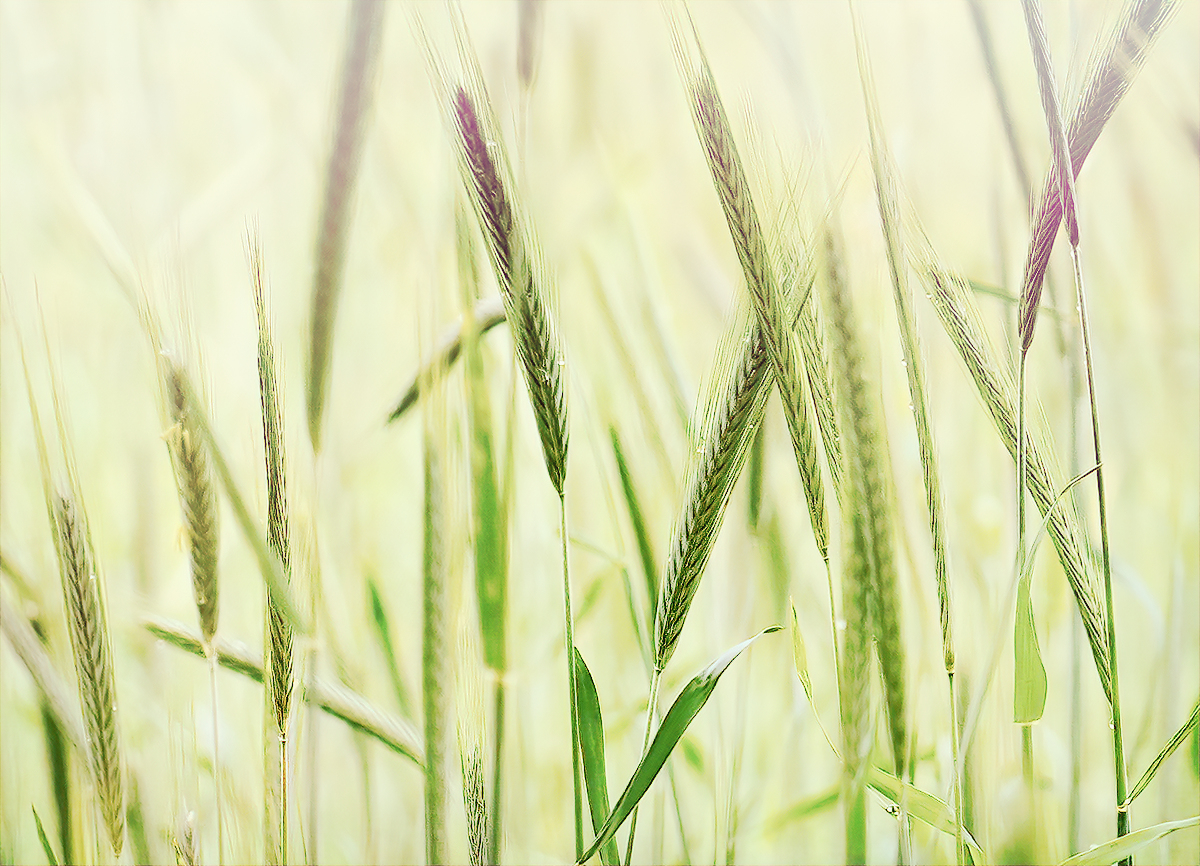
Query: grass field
(743, 285)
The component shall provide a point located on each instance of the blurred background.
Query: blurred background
(140, 142)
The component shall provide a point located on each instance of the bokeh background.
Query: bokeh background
(141, 141)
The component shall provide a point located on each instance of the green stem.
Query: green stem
(960, 850)
(1022, 468)
(283, 799)
(570, 630)
(651, 709)
(212, 683)
(1123, 823)
(495, 829)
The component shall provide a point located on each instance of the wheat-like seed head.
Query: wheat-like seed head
(1112, 72)
(197, 495)
(362, 48)
(888, 199)
(93, 661)
(514, 259)
(956, 308)
(775, 320)
(869, 506)
(469, 689)
(731, 414)
(279, 629)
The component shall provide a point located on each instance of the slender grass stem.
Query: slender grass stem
(651, 709)
(495, 826)
(1123, 823)
(1026, 729)
(212, 684)
(570, 631)
(283, 799)
(960, 848)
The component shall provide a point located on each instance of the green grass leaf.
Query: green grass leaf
(383, 634)
(1125, 846)
(46, 846)
(591, 742)
(923, 806)
(1029, 686)
(633, 506)
(1189, 727)
(690, 701)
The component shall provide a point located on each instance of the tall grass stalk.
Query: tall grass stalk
(774, 319)
(86, 613)
(887, 197)
(279, 635)
(363, 36)
(434, 648)
(512, 247)
(1111, 75)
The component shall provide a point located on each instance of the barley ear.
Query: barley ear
(775, 321)
(1111, 72)
(868, 508)
(512, 248)
(363, 36)
(92, 648)
(727, 420)
(197, 495)
(87, 624)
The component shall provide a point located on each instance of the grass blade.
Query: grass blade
(44, 839)
(335, 699)
(1029, 685)
(487, 314)
(383, 634)
(690, 701)
(591, 744)
(640, 532)
(1169, 749)
(922, 806)
(1129, 844)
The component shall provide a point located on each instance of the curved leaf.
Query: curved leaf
(690, 701)
(1124, 846)
(591, 742)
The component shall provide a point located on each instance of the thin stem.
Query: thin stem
(212, 683)
(1123, 823)
(570, 630)
(283, 799)
(960, 851)
(1022, 468)
(495, 830)
(651, 710)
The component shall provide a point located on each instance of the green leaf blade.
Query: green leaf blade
(689, 703)
(591, 742)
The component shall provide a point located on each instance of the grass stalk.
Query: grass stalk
(433, 659)
(568, 620)
(279, 639)
(363, 36)
(651, 710)
(1123, 818)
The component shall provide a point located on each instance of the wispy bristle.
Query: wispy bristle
(1111, 76)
